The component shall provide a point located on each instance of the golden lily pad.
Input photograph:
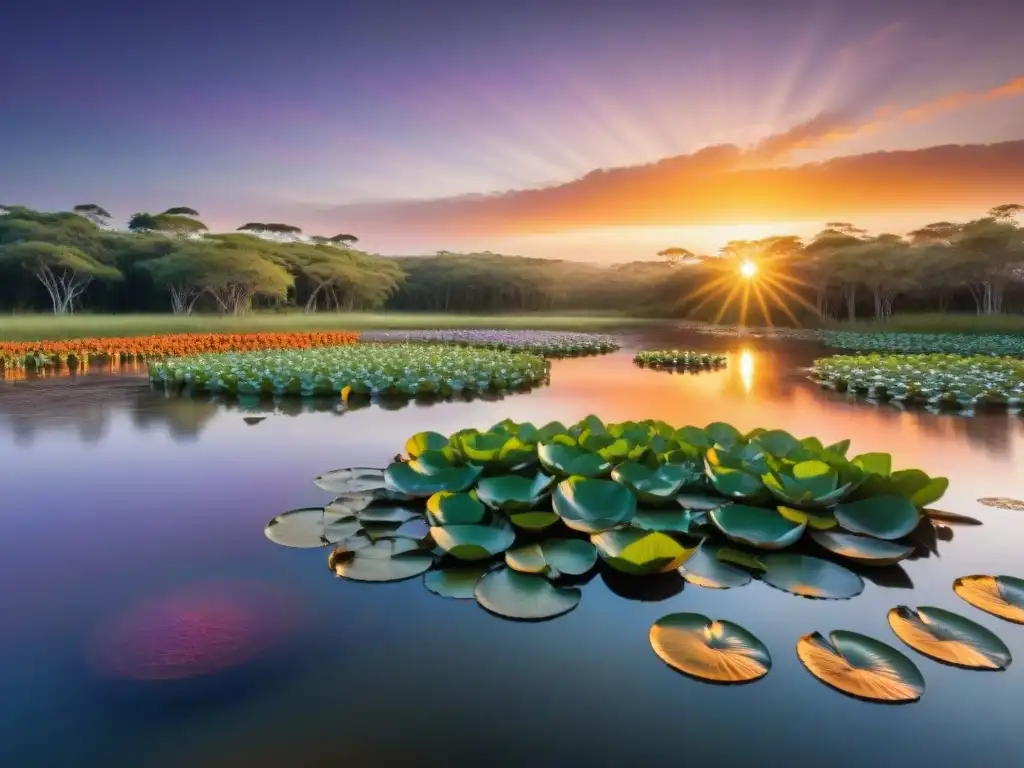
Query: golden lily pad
(714, 650)
(948, 637)
(861, 666)
(1002, 596)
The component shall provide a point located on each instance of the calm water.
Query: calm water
(121, 496)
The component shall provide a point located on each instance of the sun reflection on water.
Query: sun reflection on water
(747, 369)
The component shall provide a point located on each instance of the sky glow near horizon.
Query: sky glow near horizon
(301, 114)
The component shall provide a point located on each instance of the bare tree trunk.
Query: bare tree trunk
(63, 288)
(183, 299)
(850, 294)
(311, 301)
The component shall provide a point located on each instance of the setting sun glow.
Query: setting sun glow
(748, 269)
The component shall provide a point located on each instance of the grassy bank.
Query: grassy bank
(940, 323)
(48, 327)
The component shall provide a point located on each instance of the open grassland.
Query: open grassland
(948, 322)
(49, 327)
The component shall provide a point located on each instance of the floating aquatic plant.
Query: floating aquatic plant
(919, 343)
(546, 343)
(679, 359)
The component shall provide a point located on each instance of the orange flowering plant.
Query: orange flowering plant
(39, 354)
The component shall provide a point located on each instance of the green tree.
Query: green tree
(181, 210)
(64, 271)
(94, 213)
(676, 255)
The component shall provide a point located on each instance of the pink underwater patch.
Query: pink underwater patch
(203, 629)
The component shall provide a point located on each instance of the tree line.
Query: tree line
(170, 261)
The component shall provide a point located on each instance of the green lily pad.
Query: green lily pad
(432, 462)
(816, 520)
(948, 637)
(640, 553)
(353, 480)
(865, 550)
(742, 558)
(699, 502)
(917, 486)
(705, 569)
(553, 558)
(884, 517)
(384, 560)
(737, 485)
(568, 460)
(715, 650)
(533, 521)
(756, 526)
(1002, 596)
(811, 577)
(416, 529)
(654, 486)
(458, 583)
(422, 442)
(403, 478)
(497, 450)
(777, 442)
(474, 542)
(524, 596)
(348, 505)
(447, 508)
(310, 527)
(591, 505)
(670, 520)
(723, 434)
(514, 493)
(861, 666)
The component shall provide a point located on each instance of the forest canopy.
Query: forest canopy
(169, 261)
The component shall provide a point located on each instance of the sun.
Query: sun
(748, 269)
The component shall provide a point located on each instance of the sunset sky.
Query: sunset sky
(465, 125)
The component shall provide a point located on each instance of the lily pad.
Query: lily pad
(640, 553)
(861, 666)
(714, 650)
(884, 517)
(524, 596)
(816, 520)
(699, 502)
(401, 477)
(553, 558)
(567, 460)
(737, 485)
(654, 486)
(1001, 502)
(1002, 596)
(533, 521)
(353, 480)
(422, 442)
(742, 558)
(384, 560)
(474, 542)
(705, 569)
(310, 527)
(458, 583)
(591, 505)
(811, 577)
(756, 526)
(668, 520)
(386, 514)
(951, 518)
(416, 529)
(514, 493)
(949, 637)
(447, 508)
(866, 550)
(725, 435)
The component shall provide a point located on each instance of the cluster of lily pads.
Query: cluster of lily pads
(925, 343)
(516, 517)
(756, 332)
(939, 381)
(546, 343)
(360, 369)
(678, 358)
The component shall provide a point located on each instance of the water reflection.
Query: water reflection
(747, 369)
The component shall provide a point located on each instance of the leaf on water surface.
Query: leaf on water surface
(670, 520)
(449, 508)
(403, 478)
(884, 517)
(310, 527)
(951, 518)
(816, 520)
(474, 542)
(524, 596)
(861, 666)
(949, 637)
(640, 553)
(698, 502)
(352, 480)
(458, 583)
(386, 513)
(553, 557)
(514, 493)
(533, 521)
(808, 576)
(714, 650)
(705, 569)
(1002, 596)
(592, 505)
(865, 550)
(385, 560)
(422, 442)
(756, 526)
